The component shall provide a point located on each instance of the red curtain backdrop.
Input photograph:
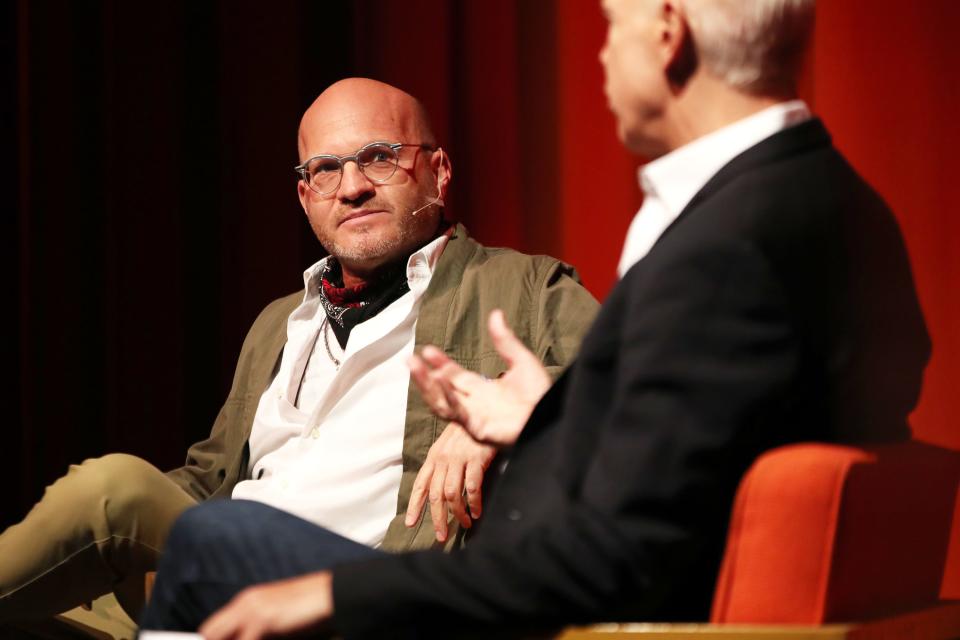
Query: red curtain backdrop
(150, 150)
(882, 75)
(885, 81)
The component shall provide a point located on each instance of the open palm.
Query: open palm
(493, 411)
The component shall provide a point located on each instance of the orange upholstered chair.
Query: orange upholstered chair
(826, 533)
(831, 541)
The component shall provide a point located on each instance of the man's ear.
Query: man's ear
(302, 189)
(441, 167)
(676, 43)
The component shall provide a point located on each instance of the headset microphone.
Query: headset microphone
(438, 200)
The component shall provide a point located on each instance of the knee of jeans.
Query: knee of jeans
(209, 525)
(221, 525)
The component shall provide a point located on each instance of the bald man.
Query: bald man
(318, 422)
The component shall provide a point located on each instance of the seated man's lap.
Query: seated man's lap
(217, 549)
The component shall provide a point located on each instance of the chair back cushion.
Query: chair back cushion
(828, 533)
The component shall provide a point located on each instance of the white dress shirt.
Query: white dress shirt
(333, 455)
(670, 182)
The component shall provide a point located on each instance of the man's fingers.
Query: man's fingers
(418, 369)
(419, 494)
(459, 510)
(458, 412)
(454, 376)
(435, 356)
(473, 483)
(223, 624)
(421, 377)
(453, 495)
(447, 372)
(250, 632)
(427, 381)
(438, 508)
(215, 626)
(438, 381)
(259, 632)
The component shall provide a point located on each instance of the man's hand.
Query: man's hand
(454, 461)
(493, 411)
(299, 604)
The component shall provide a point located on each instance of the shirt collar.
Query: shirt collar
(676, 177)
(420, 266)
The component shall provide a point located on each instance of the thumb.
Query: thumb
(504, 340)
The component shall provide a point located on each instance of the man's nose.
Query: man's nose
(354, 183)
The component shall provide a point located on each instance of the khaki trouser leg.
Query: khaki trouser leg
(97, 529)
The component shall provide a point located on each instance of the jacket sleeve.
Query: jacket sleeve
(699, 348)
(206, 466)
(564, 312)
(214, 464)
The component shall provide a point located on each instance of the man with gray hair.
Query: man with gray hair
(765, 298)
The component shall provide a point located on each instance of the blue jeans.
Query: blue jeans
(219, 548)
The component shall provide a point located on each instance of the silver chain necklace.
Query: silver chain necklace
(326, 343)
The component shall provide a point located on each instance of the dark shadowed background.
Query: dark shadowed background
(150, 203)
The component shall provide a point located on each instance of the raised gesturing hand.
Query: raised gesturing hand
(492, 411)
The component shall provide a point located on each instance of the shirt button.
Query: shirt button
(514, 514)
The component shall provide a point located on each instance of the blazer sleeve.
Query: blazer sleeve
(702, 344)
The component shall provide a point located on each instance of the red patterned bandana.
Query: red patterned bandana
(346, 307)
(349, 297)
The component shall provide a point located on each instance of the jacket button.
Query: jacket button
(514, 514)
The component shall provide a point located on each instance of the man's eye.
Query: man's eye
(326, 166)
(377, 155)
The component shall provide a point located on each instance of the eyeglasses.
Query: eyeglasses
(377, 161)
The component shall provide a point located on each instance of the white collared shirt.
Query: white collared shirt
(333, 456)
(670, 182)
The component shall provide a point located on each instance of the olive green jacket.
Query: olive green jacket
(542, 300)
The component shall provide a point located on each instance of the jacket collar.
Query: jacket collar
(791, 142)
(432, 322)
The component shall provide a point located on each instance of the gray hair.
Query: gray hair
(756, 46)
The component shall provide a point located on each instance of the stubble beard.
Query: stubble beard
(367, 243)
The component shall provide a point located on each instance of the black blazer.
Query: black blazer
(779, 307)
